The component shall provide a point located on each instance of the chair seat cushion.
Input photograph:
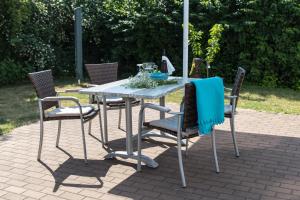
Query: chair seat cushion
(167, 123)
(170, 125)
(116, 102)
(227, 109)
(69, 111)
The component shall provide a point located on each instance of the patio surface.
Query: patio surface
(268, 168)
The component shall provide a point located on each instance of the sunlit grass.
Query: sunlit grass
(277, 100)
(18, 104)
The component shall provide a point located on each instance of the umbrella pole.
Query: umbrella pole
(185, 39)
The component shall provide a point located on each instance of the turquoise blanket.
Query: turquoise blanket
(210, 103)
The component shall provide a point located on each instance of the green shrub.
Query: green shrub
(270, 80)
(35, 51)
(262, 35)
(297, 85)
(12, 72)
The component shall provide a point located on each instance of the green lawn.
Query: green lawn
(18, 105)
(276, 100)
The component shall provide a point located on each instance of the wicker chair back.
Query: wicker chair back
(238, 81)
(102, 73)
(44, 86)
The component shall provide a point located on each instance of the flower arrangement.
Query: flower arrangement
(143, 80)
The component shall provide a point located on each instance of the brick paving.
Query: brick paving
(268, 167)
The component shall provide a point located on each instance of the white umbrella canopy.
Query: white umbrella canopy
(185, 40)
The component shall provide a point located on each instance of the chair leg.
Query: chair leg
(237, 153)
(83, 140)
(90, 127)
(58, 133)
(100, 122)
(186, 147)
(141, 119)
(120, 118)
(142, 104)
(215, 150)
(101, 128)
(41, 139)
(139, 165)
(180, 162)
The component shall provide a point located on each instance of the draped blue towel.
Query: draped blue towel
(210, 103)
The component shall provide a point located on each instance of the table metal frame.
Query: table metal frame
(128, 109)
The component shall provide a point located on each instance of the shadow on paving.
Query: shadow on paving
(95, 168)
(5, 137)
(265, 162)
(77, 167)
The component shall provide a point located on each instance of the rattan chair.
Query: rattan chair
(230, 109)
(50, 109)
(182, 125)
(105, 73)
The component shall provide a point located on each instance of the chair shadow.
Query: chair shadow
(5, 137)
(262, 158)
(120, 143)
(76, 167)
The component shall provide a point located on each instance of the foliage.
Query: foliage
(269, 81)
(263, 36)
(10, 71)
(213, 42)
(37, 53)
(142, 80)
(195, 40)
(13, 14)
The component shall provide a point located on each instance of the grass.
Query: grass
(275, 100)
(18, 104)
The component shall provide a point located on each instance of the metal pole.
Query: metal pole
(128, 109)
(78, 44)
(105, 119)
(185, 39)
(162, 115)
(207, 69)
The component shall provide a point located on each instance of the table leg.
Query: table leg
(129, 140)
(105, 119)
(128, 111)
(162, 115)
(162, 102)
(142, 104)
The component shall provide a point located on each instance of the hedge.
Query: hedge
(262, 36)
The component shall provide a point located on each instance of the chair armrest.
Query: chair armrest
(175, 113)
(69, 91)
(161, 108)
(61, 98)
(227, 89)
(233, 98)
(230, 97)
(91, 85)
(64, 98)
(77, 89)
(156, 107)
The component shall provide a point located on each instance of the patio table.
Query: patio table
(117, 89)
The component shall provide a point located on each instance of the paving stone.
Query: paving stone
(14, 189)
(13, 196)
(268, 166)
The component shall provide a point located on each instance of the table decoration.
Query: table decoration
(144, 80)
